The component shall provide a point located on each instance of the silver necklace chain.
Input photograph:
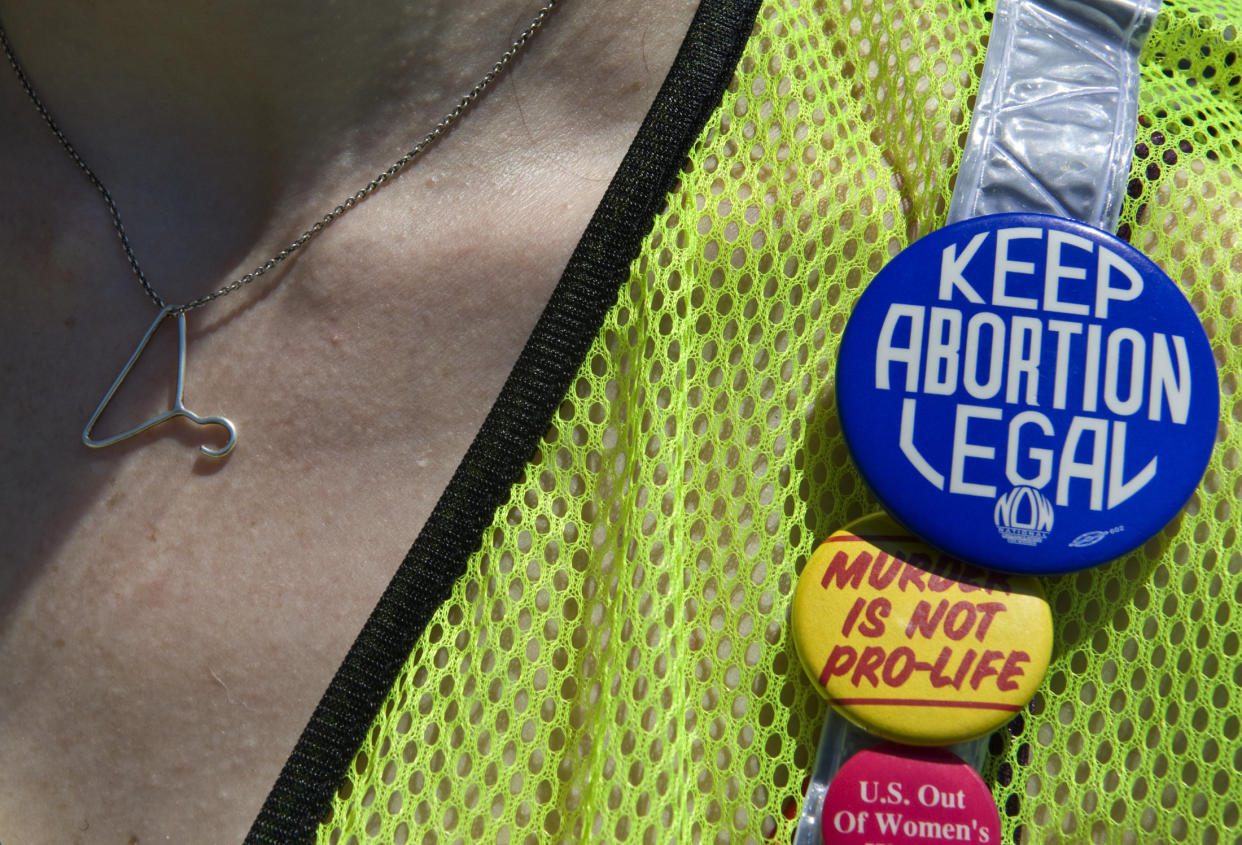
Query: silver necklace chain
(307, 236)
(178, 312)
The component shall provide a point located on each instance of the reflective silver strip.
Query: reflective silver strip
(1054, 121)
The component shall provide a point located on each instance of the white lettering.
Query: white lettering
(952, 265)
(1056, 271)
(1176, 389)
(908, 448)
(1118, 488)
(889, 822)
(1005, 266)
(1091, 370)
(1092, 470)
(963, 449)
(931, 796)
(996, 365)
(1024, 349)
(886, 353)
(1104, 291)
(1112, 371)
(1021, 507)
(1064, 331)
(1041, 457)
(923, 830)
(942, 349)
(844, 822)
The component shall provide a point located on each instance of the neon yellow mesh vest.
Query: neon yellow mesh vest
(613, 665)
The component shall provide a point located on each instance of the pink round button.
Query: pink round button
(899, 795)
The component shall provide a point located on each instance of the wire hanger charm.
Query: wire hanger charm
(178, 408)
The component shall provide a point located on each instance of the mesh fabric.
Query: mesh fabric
(616, 664)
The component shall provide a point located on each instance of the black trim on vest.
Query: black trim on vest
(496, 459)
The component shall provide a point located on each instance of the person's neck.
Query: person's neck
(257, 79)
(194, 113)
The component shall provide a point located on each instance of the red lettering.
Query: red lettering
(873, 627)
(839, 662)
(926, 624)
(871, 659)
(939, 583)
(846, 571)
(852, 616)
(1005, 680)
(988, 611)
(938, 677)
(881, 577)
(893, 676)
(912, 573)
(960, 619)
(985, 667)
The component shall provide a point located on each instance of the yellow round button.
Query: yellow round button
(912, 644)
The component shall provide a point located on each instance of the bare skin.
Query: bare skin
(167, 623)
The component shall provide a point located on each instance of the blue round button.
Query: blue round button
(1027, 393)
